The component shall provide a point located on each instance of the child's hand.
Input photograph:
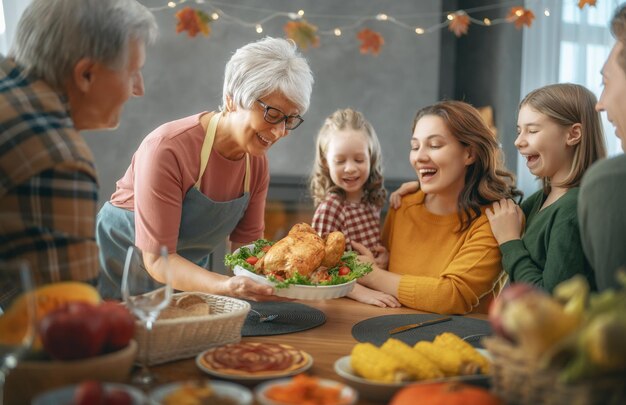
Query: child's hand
(368, 296)
(506, 219)
(365, 256)
(395, 199)
(382, 257)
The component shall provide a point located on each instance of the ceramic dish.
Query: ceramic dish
(204, 366)
(381, 391)
(348, 395)
(65, 395)
(301, 292)
(237, 393)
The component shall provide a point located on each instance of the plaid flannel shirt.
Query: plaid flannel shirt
(48, 183)
(358, 221)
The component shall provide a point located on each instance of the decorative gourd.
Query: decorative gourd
(13, 322)
(444, 394)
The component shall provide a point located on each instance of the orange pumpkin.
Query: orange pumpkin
(444, 394)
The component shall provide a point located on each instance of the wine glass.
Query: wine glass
(145, 297)
(17, 316)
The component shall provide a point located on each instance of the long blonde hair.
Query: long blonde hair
(320, 182)
(567, 104)
(487, 179)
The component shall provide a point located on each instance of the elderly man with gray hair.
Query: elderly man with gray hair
(72, 66)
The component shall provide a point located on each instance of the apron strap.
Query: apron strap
(246, 181)
(207, 146)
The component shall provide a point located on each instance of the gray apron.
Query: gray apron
(203, 226)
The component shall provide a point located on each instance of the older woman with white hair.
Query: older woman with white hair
(199, 179)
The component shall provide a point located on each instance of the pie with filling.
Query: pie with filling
(254, 359)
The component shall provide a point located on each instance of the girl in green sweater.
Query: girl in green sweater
(560, 136)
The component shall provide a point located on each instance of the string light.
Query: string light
(217, 13)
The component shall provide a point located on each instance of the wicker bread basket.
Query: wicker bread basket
(185, 336)
(518, 380)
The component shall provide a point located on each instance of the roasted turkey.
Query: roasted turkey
(302, 251)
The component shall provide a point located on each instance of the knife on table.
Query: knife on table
(420, 324)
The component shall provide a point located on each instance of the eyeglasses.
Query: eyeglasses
(275, 116)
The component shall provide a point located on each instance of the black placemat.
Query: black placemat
(376, 330)
(292, 317)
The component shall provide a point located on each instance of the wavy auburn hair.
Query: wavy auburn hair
(487, 179)
(320, 182)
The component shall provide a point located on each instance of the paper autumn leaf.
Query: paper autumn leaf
(520, 16)
(302, 33)
(459, 24)
(193, 21)
(371, 41)
(581, 3)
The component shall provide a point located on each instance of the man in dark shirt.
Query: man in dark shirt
(602, 198)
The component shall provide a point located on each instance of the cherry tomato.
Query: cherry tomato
(345, 270)
(266, 248)
(252, 260)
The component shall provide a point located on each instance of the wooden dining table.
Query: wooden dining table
(326, 343)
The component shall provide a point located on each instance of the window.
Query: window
(585, 44)
(569, 45)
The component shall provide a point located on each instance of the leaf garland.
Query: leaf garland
(193, 21)
(371, 41)
(459, 24)
(302, 33)
(520, 16)
(582, 3)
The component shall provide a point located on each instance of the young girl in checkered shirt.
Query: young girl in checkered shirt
(347, 188)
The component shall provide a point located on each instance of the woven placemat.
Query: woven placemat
(376, 330)
(292, 317)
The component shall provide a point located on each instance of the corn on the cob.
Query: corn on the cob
(420, 367)
(449, 361)
(465, 350)
(370, 362)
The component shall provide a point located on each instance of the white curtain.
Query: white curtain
(565, 44)
(10, 12)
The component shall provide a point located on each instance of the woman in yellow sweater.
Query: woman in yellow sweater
(442, 254)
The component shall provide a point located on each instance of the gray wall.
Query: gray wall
(184, 76)
(488, 68)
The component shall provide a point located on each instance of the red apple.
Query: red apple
(121, 324)
(74, 331)
(89, 393)
(496, 309)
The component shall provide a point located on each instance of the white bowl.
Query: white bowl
(382, 391)
(301, 292)
(65, 395)
(238, 393)
(348, 395)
